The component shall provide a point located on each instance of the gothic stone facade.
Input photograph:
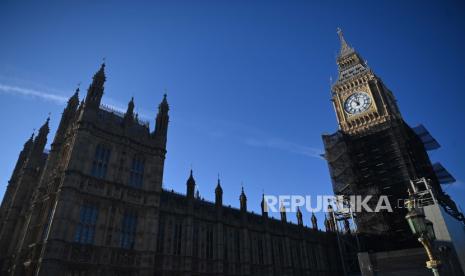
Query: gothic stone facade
(94, 205)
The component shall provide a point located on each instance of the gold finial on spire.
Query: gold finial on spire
(345, 48)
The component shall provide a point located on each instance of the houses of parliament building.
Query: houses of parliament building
(94, 203)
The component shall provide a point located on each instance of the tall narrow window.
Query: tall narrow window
(136, 175)
(238, 246)
(209, 237)
(177, 238)
(128, 230)
(225, 244)
(85, 230)
(311, 256)
(260, 251)
(281, 256)
(100, 163)
(161, 235)
(195, 245)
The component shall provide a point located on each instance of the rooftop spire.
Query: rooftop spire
(131, 104)
(128, 117)
(162, 119)
(243, 200)
(345, 48)
(74, 100)
(99, 77)
(31, 138)
(44, 128)
(219, 193)
(282, 210)
(299, 217)
(218, 184)
(190, 185)
(314, 222)
(28, 145)
(95, 91)
(326, 223)
(164, 107)
(264, 206)
(41, 138)
(191, 177)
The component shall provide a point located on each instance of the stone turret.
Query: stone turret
(38, 148)
(162, 120)
(95, 91)
(218, 194)
(190, 186)
(129, 115)
(282, 210)
(264, 207)
(67, 118)
(300, 221)
(314, 222)
(243, 201)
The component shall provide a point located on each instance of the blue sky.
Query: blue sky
(247, 81)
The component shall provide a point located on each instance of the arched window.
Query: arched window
(136, 175)
(85, 230)
(177, 241)
(128, 230)
(100, 163)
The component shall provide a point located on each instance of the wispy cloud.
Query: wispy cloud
(21, 91)
(250, 136)
(45, 95)
(279, 144)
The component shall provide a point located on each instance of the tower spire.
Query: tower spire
(74, 100)
(190, 185)
(264, 206)
(67, 118)
(300, 220)
(349, 62)
(243, 200)
(345, 48)
(129, 115)
(283, 212)
(41, 139)
(95, 91)
(219, 193)
(161, 126)
(314, 222)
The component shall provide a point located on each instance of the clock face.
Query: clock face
(357, 103)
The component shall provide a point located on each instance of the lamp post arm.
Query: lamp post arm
(432, 263)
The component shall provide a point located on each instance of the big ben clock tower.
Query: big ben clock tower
(374, 152)
(361, 100)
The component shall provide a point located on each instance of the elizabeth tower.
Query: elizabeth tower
(374, 152)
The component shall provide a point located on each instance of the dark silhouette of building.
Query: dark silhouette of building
(94, 205)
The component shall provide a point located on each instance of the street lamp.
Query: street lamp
(423, 230)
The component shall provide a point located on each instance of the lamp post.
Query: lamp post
(423, 230)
